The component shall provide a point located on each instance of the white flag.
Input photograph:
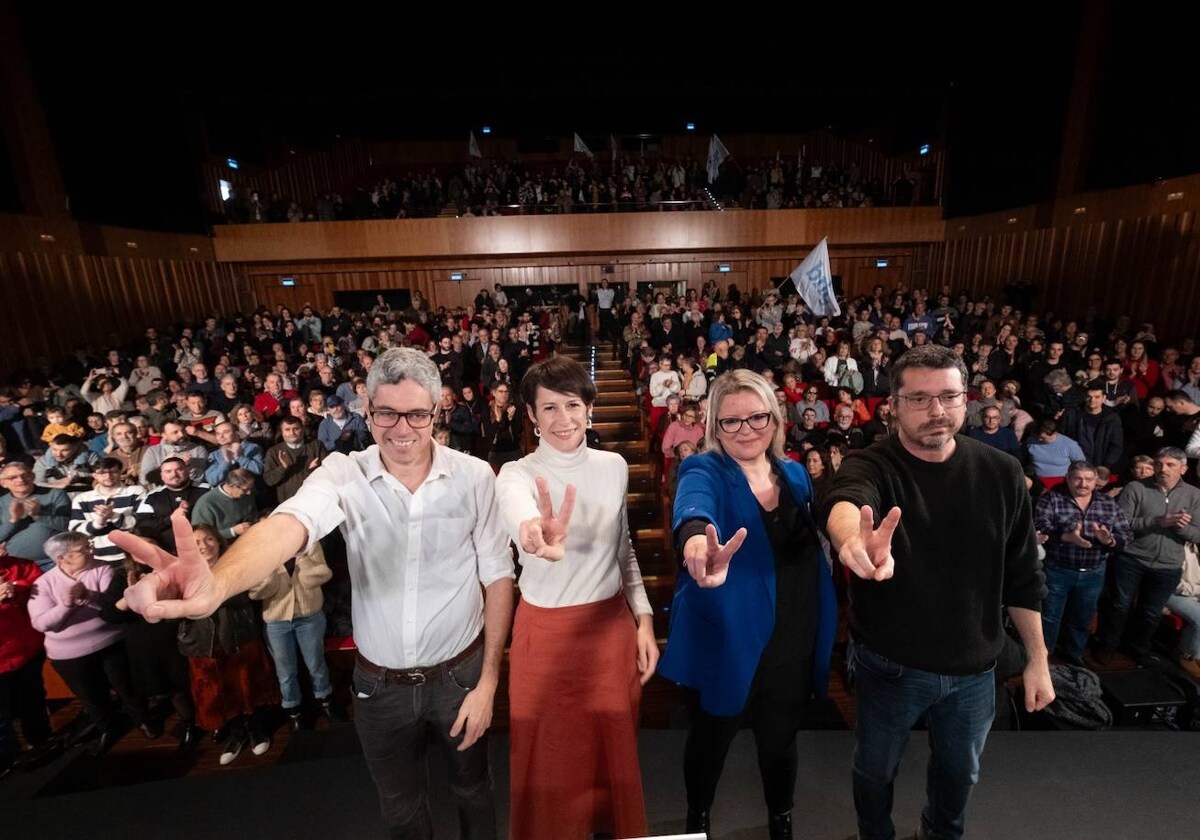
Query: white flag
(814, 281)
(716, 156)
(473, 147)
(580, 146)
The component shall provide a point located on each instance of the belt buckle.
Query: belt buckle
(413, 677)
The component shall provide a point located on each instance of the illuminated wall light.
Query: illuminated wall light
(1079, 211)
(925, 148)
(457, 275)
(691, 126)
(233, 164)
(1175, 196)
(131, 244)
(193, 249)
(46, 237)
(1012, 220)
(487, 129)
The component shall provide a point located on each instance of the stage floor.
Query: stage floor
(1054, 785)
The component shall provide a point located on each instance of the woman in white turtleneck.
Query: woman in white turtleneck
(583, 640)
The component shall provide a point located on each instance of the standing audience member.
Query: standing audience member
(22, 693)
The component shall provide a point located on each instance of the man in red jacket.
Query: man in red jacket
(22, 693)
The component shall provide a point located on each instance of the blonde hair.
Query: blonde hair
(742, 381)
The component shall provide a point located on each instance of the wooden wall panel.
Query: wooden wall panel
(56, 302)
(317, 285)
(1146, 266)
(575, 234)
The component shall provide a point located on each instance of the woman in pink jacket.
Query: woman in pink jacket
(86, 650)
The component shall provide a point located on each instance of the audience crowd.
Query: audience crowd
(219, 421)
(583, 185)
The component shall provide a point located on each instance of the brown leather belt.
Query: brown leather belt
(418, 676)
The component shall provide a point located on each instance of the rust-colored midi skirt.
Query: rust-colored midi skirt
(574, 697)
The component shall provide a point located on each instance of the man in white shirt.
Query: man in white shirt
(423, 540)
(605, 298)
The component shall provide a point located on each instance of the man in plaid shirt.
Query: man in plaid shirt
(1080, 529)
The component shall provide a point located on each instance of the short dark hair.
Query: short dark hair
(558, 373)
(64, 440)
(1178, 394)
(179, 461)
(925, 357)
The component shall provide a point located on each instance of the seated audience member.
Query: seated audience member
(87, 651)
(987, 397)
(57, 424)
(173, 444)
(66, 465)
(250, 428)
(291, 602)
(289, 462)
(684, 449)
(232, 675)
(880, 424)
(199, 421)
(273, 399)
(30, 514)
(125, 446)
(1083, 529)
(820, 471)
(812, 400)
(229, 507)
(843, 428)
(341, 430)
(1146, 431)
(996, 435)
(684, 428)
(805, 434)
(1051, 452)
(22, 692)
(145, 377)
(109, 507)
(1165, 515)
(1119, 392)
(1096, 428)
(231, 453)
(153, 515)
(104, 391)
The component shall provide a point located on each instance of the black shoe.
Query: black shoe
(189, 740)
(260, 742)
(779, 826)
(152, 729)
(295, 719)
(333, 711)
(109, 736)
(698, 822)
(234, 744)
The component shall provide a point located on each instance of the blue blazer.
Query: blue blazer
(718, 635)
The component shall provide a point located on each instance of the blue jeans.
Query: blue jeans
(397, 723)
(1187, 607)
(1133, 580)
(307, 634)
(892, 698)
(1069, 604)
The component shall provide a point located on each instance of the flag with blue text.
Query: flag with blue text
(814, 281)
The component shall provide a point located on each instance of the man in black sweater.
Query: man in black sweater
(928, 588)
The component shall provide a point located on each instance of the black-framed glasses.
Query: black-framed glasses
(733, 425)
(386, 418)
(947, 399)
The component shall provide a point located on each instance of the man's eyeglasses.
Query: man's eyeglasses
(385, 418)
(949, 399)
(733, 425)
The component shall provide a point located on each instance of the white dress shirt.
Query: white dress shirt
(599, 560)
(417, 560)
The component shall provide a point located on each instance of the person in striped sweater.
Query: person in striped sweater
(107, 508)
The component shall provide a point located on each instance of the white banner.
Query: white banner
(473, 147)
(814, 281)
(580, 146)
(716, 156)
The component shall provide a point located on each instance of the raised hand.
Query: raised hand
(546, 536)
(869, 554)
(707, 561)
(181, 586)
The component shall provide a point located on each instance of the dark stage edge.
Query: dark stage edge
(1055, 785)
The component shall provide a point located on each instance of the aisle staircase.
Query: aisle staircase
(619, 422)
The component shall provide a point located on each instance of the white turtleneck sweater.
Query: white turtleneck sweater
(598, 560)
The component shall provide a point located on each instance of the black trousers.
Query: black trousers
(92, 678)
(774, 710)
(23, 698)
